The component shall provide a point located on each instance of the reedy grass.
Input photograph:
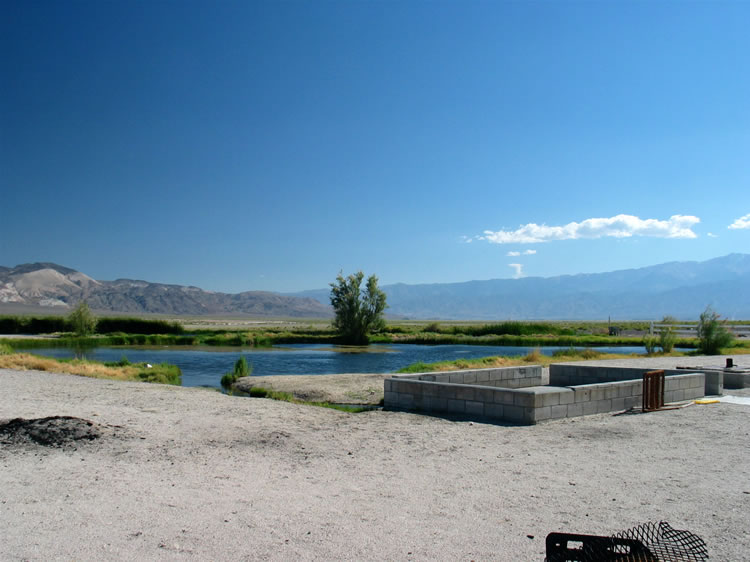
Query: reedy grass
(162, 373)
(534, 357)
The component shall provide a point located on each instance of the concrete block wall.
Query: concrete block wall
(505, 377)
(571, 375)
(530, 405)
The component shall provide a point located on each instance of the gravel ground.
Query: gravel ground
(132, 471)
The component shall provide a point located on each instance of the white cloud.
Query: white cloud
(620, 226)
(742, 222)
(467, 239)
(513, 253)
(712, 235)
(519, 270)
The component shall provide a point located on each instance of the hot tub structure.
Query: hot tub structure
(526, 395)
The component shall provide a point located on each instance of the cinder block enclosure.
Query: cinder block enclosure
(516, 394)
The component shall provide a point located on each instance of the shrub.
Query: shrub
(5, 349)
(137, 326)
(433, 327)
(241, 369)
(712, 335)
(650, 343)
(667, 340)
(81, 320)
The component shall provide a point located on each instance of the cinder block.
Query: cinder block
(550, 399)
(437, 404)
(597, 393)
(483, 376)
(632, 402)
(470, 378)
(387, 385)
(456, 406)
(464, 393)
(618, 404)
(474, 408)
(589, 408)
(504, 397)
(405, 400)
(567, 396)
(513, 413)
(525, 399)
(557, 412)
(390, 398)
(483, 394)
(671, 383)
(542, 413)
(603, 406)
(582, 395)
(495, 411)
(456, 378)
(430, 389)
(610, 392)
(575, 410)
(693, 393)
(444, 391)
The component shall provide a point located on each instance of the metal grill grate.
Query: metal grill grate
(650, 542)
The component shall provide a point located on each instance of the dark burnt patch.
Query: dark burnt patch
(53, 431)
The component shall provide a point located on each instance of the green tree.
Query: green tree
(357, 313)
(82, 320)
(712, 334)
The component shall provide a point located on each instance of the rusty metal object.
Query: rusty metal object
(653, 390)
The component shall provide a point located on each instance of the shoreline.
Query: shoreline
(182, 472)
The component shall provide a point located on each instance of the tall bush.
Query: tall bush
(712, 334)
(81, 320)
(241, 369)
(667, 339)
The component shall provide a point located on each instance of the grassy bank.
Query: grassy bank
(123, 370)
(533, 358)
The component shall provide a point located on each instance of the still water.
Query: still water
(205, 366)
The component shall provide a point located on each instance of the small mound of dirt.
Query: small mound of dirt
(54, 431)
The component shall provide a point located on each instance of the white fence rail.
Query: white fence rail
(691, 330)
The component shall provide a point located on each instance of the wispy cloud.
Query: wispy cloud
(742, 222)
(467, 239)
(620, 226)
(514, 253)
(712, 235)
(519, 270)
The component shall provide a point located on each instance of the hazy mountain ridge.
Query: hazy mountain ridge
(681, 289)
(52, 285)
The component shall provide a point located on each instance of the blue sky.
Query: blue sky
(269, 145)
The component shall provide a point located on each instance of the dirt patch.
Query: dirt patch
(360, 388)
(53, 431)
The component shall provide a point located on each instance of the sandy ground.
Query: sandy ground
(360, 388)
(191, 474)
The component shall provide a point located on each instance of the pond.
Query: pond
(204, 366)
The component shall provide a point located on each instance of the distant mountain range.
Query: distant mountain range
(680, 289)
(56, 287)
